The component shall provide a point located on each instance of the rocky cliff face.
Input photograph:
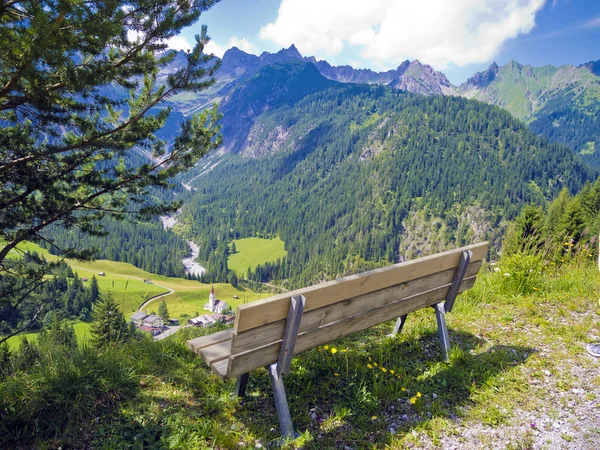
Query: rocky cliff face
(482, 79)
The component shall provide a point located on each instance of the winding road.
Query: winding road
(148, 300)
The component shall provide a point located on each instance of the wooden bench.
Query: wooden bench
(269, 332)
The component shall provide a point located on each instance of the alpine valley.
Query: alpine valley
(355, 169)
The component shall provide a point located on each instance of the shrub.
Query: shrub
(520, 273)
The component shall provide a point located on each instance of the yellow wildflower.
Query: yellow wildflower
(419, 394)
(383, 369)
(333, 351)
(326, 347)
(369, 366)
(413, 400)
(392, 371)
(336, 374)
(403, 389)
(345, 350)
(373, 417)
(369, 358)
(375, 364)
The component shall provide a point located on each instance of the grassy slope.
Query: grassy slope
(189, 296)
(81, 331)
(524, 90)
(254, 251)
(518, 366)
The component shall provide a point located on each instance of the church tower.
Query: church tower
(212, 299)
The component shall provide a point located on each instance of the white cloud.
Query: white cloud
(438, 32)
(243, 44)
(592, 23)
(213, 47)
(179, 43)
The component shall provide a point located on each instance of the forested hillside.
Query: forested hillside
(144, 244)
(358, 176)
(561, 103)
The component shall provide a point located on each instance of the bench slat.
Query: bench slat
(215, 352)
(272, 332)
(250, 360)
(220, 368)
(210, 339)
(259, 313)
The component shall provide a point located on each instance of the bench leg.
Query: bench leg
(399, 324)
(440, 315)
(281, 404)
(241, 383)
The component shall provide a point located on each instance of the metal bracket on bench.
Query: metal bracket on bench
(241, 383)
(290, 333)
(399, 324)
(459, 276)
(442, 308)
(282, 366)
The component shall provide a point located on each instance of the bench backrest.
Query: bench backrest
(345, 306)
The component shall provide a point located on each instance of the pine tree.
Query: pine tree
(108, 326)
(67, 137)
(94, 290)
(163, 311)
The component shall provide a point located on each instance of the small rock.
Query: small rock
(547, 372)
(404, 417)
(434, 395)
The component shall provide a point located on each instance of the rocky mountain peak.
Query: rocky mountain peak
(593, 66)
(483, 79)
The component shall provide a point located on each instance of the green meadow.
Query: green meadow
(125, 283)
(250, 252)
(81, 329)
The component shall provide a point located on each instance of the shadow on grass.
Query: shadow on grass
(355, 397)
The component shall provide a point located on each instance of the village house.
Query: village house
(205, 320)
(214, 305)
(154, 321)
(145, 322)
(138, 318)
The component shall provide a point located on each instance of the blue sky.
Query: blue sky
(456, 37)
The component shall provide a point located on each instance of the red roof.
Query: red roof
(146, 328)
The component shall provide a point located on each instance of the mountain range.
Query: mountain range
(356, 169)
(561, 103)
(354, 176)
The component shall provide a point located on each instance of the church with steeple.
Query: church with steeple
(214, 305)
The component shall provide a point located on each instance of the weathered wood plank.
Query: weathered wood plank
(272, 332)
(219, 368)
(215, 352)
(210, 339)
(259, 313)
(245, 362)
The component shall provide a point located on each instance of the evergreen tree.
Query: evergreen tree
(233, 279)
(94, 290)
(68, 134)
(233, 248)
(59, 333)
(163, 311)
(108, 326)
